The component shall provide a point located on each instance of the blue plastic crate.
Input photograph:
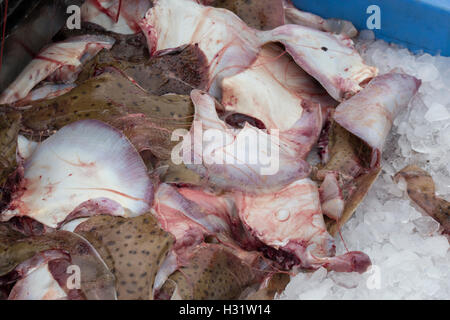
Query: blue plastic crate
(416, 24)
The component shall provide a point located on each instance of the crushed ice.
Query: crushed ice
(410, 258)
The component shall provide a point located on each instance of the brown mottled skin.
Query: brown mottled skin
(258, 14)
(213, 273)
(9, 130)
(177, 70)
(275, 285)
(147, 120)
(133, 249)
(421, 190)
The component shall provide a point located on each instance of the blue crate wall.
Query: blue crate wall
(416, 24)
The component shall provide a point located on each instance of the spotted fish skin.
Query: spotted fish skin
(134, 250)
(177, 70)
(9, 130)
(275, 284)
(213, 273)
(147, 120)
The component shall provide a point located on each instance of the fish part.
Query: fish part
(349, 157)
(115, 15)
(199, 214)
(180, 175)
(45, 277)
(16, 250)
(421, 190)
(257, 14)
(59, 61)
(291, 220)
(28, 226)
(369, 114)
(174, 71)
(298, 217)
(146, 120)
(273, 90)
(48, 91)
(73, 170)
(353, 261)
(229, 228)
(304, 134)
(231, 46)
(331, 197)
(28, 27)
(186, 222)
(273, 285)
(331, 59)
(127, 47)
(72, 223)
(182, 219)
(307, 19)
(133, 248)
(225, 162)
(189, 222)
(345, 153)
(227, 42)
(37, 279)
(193, 216)
(354, 191)
(269, 14)
(25, 147)
(9, 131)
(213, 273)
(168, 267)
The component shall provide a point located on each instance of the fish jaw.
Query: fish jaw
(73, 171)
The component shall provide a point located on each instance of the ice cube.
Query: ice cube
(437, 112)
(427, 72)
(426, 225)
